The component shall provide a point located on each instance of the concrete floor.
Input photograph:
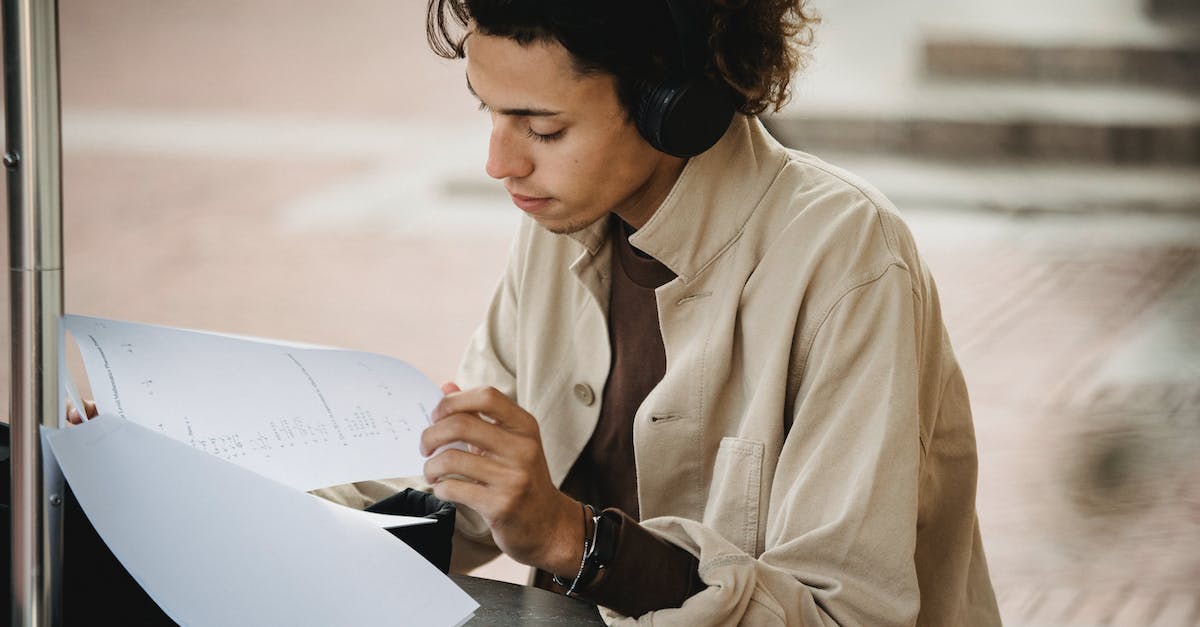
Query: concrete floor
(311, 172)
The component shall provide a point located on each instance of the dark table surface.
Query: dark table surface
(502, 604)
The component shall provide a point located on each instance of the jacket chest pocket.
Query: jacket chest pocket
(735, 492)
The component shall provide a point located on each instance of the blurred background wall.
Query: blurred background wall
(309, 171)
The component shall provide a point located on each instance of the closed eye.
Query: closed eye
(547, 137)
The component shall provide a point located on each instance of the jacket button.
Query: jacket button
(584, 393)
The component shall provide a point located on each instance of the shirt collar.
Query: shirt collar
(707, 207)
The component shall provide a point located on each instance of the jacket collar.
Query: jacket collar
(707, 207)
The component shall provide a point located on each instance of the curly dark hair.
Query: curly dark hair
(755, 46)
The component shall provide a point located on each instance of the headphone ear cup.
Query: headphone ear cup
(653, 104)
(684, 118)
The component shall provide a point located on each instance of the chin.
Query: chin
(566, 227)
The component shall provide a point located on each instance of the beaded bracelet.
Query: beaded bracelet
(589, 514)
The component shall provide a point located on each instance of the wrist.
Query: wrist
(566, 550)
(599, 549)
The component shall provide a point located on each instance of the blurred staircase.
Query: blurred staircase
(1023, 121)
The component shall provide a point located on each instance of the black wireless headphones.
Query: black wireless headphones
(687, 112)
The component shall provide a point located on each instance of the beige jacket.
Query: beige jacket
(811, 442)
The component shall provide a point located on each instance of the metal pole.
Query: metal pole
(34, 163)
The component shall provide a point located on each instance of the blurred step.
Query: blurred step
(919, 184)
(1168, 61)
(989, 121)
(1165, 9)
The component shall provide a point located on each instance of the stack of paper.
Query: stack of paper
(194, 476)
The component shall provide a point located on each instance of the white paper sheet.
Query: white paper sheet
(216, 545)
(308, 417)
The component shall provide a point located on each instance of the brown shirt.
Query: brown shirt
(647, 572)
(605, 474)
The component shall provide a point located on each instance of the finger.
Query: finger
(486, 401)
(467, 428)
(447, 388)
(473, 495)
(459, 464)
(73, 415)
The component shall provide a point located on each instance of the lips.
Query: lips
(529, 204)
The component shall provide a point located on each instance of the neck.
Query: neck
(643, 204)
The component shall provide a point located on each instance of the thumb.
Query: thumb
(450, 387)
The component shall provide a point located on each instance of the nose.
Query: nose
(506, 155)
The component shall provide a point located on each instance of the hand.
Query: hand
(73, 416)
(503, 475)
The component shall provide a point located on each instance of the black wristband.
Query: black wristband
(602, 549)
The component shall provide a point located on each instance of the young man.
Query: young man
(713, 387)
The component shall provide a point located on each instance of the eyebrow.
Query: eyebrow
(517, 111)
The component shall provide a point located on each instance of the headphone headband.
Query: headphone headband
(687, 112)
(685, 19)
